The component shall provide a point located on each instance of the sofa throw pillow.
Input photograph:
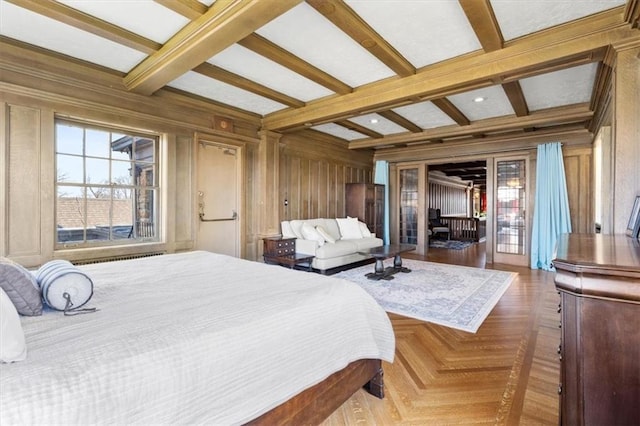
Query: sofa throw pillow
(349, 228)
(364, 230)
(12, 344)
(310, 233)
(64, 286)
(20, 287)
(323, 232)
(287, 232)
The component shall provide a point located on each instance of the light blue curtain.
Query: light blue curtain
(551, 214)
(382, 177)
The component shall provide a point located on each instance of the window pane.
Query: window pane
(122, 216)
(103, 192)
(69, 139)
(144, 150)
(510, 209)
(97, 171)
(120, 147)
(145, 213)
(144, 174)
(97, 143)
(98, 214)
(70, 214)
(121, 172)
(69, 169)
(409, 206)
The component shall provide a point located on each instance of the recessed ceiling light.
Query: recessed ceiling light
(373, 121)
(479, 99)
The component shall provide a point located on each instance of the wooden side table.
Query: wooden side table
(282, 251)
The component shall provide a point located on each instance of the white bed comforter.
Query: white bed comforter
(190, 338)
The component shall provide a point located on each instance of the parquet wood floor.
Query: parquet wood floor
(505, 374)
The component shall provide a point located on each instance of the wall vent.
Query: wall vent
(114, 258)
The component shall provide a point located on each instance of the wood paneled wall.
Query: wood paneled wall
(313, 171)
(451, 200)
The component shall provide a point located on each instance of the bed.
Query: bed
(199, 338)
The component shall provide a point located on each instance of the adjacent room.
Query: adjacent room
(326, 212)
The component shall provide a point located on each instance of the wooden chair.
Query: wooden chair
(435, 225)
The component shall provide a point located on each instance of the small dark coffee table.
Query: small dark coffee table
(385, 252)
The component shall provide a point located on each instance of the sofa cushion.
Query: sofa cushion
(287, 232)
(349, 228)
(331, 226)
(339, 248)
(365, 243)
(327, 237)
(309, 232)
(364, 230)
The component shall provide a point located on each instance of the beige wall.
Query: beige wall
(313, 171)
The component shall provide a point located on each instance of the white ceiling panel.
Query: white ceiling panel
(62, 38)
(495, 103)
(144, 17)
(425, 114)
(338, 131)
(248, 64)
(565, 87)
(218, 91)
(307, 34)
(424, 32)
(378, 123)
(518, 18)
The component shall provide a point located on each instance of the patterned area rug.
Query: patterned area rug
(450, 244)
(454, 296)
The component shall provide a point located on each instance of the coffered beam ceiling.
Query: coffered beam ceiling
(552, 116)
(228, 22)
(571, 44)
(223, 24)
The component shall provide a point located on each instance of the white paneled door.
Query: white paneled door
(219, 171)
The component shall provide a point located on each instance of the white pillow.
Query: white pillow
(310, 233)
(349, 228)
(12, 344)
(287, 232)
(328, 238)
(364, 230)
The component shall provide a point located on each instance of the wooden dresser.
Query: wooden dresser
(598, 277)
(366, 202)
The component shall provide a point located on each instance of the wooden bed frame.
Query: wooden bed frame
(315, 404)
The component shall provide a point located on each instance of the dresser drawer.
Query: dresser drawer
(279, 246)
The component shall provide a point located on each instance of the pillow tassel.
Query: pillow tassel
(69, 311)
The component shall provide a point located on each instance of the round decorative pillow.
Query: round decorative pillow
(64, 287)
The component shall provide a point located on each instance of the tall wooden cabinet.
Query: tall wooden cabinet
(598, 277)
(366, 202)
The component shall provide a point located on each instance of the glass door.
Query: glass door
(410, 222)
(408, 217)
(511, 221)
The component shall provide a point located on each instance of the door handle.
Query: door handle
(234, 216)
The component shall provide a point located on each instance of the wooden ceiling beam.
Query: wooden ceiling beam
(358, 128)
(225, 76)
(484, 23)
(343, 17)
(190, 9)
(400, 121)
(566, 43)
(516, 97)
(224, 24)
(70, 16)
(547, 117)
(264, 47)
(446, 106)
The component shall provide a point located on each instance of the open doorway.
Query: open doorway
(457, 204)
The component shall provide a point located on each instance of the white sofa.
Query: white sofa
(338, 244)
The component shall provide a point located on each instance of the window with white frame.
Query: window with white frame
(107, 185)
